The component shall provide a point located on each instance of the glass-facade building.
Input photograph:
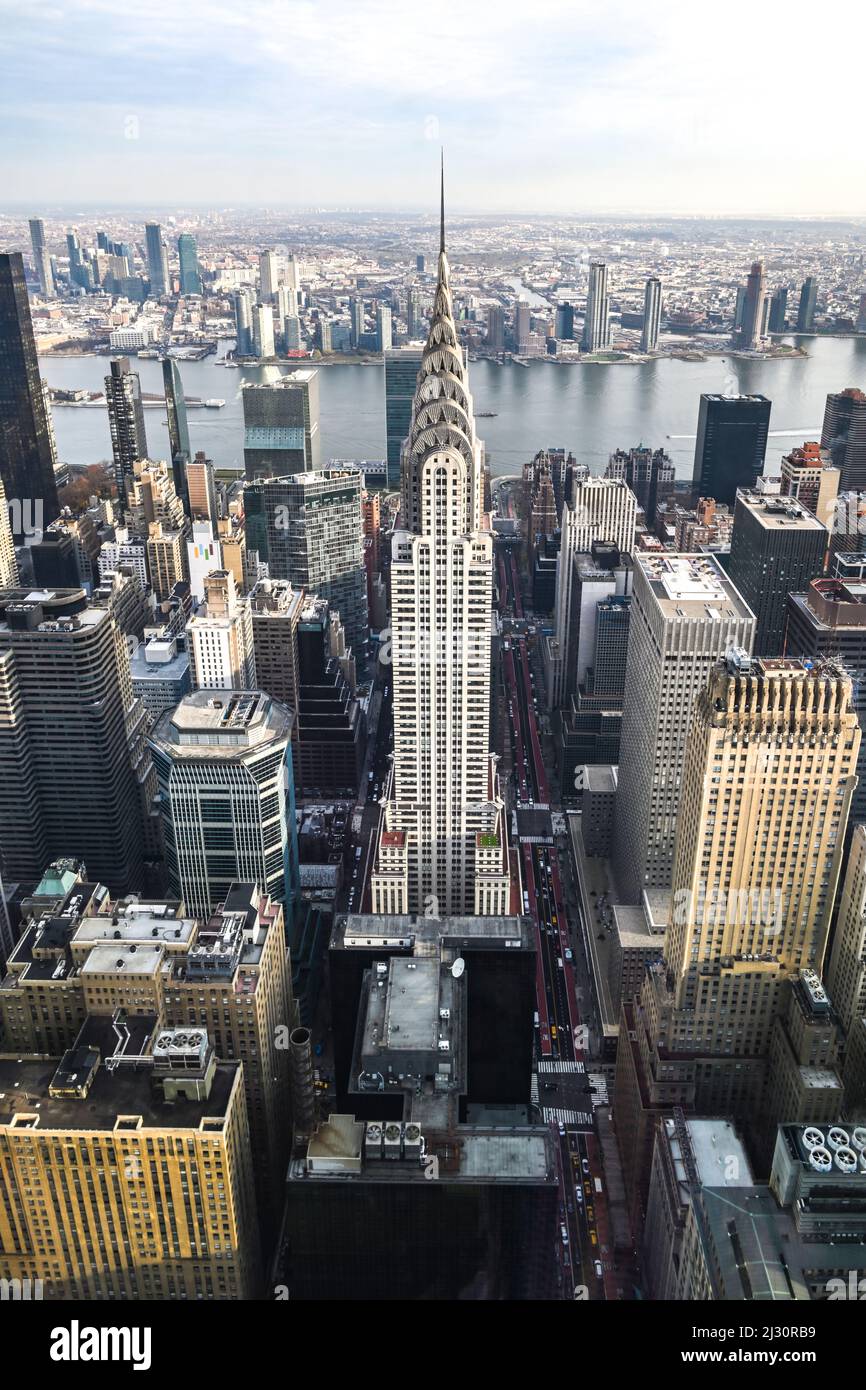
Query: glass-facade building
(401, 376)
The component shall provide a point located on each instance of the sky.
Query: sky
(545, 106)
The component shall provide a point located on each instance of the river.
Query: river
(590, 409)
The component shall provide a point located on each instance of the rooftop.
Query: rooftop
(691, 586)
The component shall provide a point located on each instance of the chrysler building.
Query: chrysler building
(442, 842)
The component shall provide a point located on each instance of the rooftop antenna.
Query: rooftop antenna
(442, 202)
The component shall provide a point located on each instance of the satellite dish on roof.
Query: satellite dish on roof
(458, 967)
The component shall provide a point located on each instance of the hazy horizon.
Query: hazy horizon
(577, 111)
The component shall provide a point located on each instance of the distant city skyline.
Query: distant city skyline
(293, 104)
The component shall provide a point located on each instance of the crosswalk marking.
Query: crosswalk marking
(571, 1068)
(566, 1117)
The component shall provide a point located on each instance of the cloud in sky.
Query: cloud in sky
(556, 105)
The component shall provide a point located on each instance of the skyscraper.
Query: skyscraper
(564, 322)
(383, 328)
(267, 276)
(731, 445)
(227, 797)
(652, 314)
(401, 373)
(810, 475)
(41, 258)
(8, 563)
(178, 429)
(314, 537)
(76, 775)
(190, 272)
(650, 474)
(596, 323)
(126, 422)
(201, 490)
(521, 325)
(26, 437)
(262, 324)
(496, 328)
(220, 638)
(281, 426)
(844, 434)
(685, 614)
(356, 322)
(777, 547)
(443, 841)
(243, 302)
(598, 509)
(777, 321)
(157, 260)
(753, 325)
(806, 309)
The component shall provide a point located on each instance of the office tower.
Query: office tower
(76, 773)
(201, 490)
(564, 322)
(846, 971)
(777, 547)
(126, 551)
(521, 325)
(415, 321)
(401, 374)
(184, 1129)
(178, 429)
(731, 445)
(263, 330)
(806, 310)
(330, 746)
(203, 557)
(496, 328)
(79, 271)
(292, 330)
(715, 1233)
(420, 264)
(281, 426)
(8, 563)
(747, 885)
(739, 309)
(190, 272)
(598, 509)
(160, 675)
(157, 261)
(383, 328)
(650, 474)
(286, 300)
(860, 326)
(753, 322)
(220, 637)
(166, 557)
(226, 797)
(685, 614)
(324, 336)
(777, 322)
(395, 1000)
(652, 315)
(26, 437)
(597, 577)
(596, 323)
(356, 322)
(126, 422)
(243, 302)
(293, 274)
(268, 276)
(828, 622)
(313, 535)
(225, 975)
(443, 832)
(809, 474)
(41, 258)
(844, 434)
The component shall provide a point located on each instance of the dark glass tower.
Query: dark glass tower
(401, 376)
(126, 421)
(806, 310)
(190, 274)
(844, 434)
(26, 448)
(178, 429)
(731, 444)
